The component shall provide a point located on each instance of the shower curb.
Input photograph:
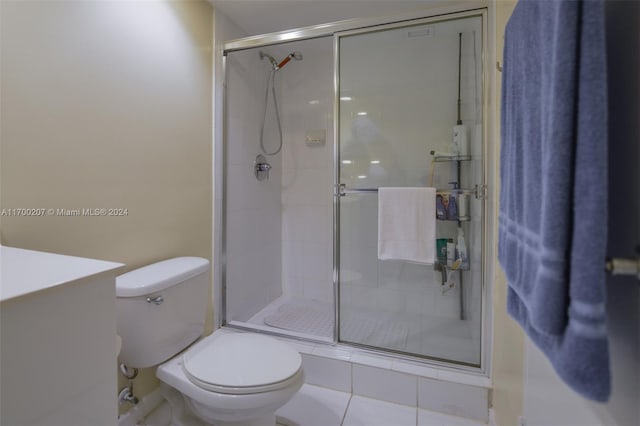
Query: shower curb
(360, 372)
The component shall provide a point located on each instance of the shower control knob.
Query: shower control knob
(261, 167)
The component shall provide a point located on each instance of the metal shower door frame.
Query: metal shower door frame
(482, 13)
(338, 30)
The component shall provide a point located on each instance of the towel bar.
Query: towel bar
(617, 266)
(479, 191)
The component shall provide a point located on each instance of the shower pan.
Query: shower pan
(374, 104)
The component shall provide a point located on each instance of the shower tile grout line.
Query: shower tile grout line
(346, 410)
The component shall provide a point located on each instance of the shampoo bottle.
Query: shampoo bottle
(460, 140)
(441, 248)
(451, 252)
(441, 212)
(453, 207)
(452, 212)
(461, 247)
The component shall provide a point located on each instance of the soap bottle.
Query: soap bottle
(453, 207)
(441, 248)
(460, 140)
(451, 252)
(452, 213)
(463, 201)
(461, 248)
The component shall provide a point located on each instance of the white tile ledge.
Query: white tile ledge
(363, 357)
(357, 356)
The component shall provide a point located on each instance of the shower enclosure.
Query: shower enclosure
(364, 105)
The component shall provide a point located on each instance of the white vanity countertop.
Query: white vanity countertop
(26, 271)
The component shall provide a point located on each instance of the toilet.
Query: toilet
(224, 379)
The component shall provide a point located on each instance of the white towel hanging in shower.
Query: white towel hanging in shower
(407, 224)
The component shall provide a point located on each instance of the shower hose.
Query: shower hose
(271, 84)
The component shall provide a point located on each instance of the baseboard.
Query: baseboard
(492, 417)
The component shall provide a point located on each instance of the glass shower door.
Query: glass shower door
(402, 90)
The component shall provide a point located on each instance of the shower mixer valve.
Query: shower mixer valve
(261, 167)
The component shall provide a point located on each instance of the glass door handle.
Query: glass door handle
(342, 190)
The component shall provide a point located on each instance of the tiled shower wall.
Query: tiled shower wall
(307, 171)
(253, 207)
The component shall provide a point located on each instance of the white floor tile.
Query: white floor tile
(431, 418)
(370, 412)
(314, 406)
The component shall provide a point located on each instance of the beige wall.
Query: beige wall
(107, 105)
(508, 338)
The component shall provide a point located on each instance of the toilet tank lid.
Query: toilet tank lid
(159, 276)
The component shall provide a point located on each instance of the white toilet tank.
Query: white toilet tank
(161, 309)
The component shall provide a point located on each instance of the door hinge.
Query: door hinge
(481, 192)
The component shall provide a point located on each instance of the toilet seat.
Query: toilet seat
(242, 364)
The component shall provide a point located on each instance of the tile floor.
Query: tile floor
(318, 406)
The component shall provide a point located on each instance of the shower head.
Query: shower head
(295, 55)
(271, 59)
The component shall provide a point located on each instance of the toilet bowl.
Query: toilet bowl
(224, 379)
(234, 379)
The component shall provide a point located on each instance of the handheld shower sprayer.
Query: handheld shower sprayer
(276, 66)
(295, 55)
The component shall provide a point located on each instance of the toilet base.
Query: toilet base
(268, 420)
(207, 414)
(180, 416)
(183, 413)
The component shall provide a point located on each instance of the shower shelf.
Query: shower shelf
(458, 191)
(451, 158)
(460, 219)
(437, 266)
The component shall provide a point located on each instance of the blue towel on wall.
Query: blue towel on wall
(553, 198)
